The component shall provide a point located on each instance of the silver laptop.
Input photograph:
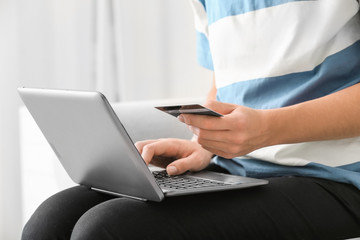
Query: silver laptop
(96, 151)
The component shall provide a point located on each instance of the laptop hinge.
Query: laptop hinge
(118, 194)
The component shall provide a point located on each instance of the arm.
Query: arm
(243, 130)
(212, 93)
(335, 116)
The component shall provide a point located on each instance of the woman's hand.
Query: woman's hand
(240, 131)
(177, 155)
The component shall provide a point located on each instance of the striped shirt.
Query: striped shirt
(275, 53)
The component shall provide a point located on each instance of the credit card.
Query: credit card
(176, 110)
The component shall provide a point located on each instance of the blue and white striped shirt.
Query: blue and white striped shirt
(274, 53)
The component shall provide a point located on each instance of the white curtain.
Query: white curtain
(129, 50)
(9, 150)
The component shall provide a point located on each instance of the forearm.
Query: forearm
(212, 93)
(334, 116)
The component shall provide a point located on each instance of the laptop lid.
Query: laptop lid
(90, 141)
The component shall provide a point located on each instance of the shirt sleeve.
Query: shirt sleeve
(204, 56)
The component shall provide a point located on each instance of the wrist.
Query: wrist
(266, 129)
(274, 127)
(283, 126)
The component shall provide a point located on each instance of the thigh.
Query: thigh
(286, 208)
(55, 218)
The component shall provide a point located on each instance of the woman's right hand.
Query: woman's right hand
(176, 155)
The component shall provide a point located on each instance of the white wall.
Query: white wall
(157, 45)
(56, 43)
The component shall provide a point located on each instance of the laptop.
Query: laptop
(96, 151)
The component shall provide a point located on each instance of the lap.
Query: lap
(57, 215)
(286, 208)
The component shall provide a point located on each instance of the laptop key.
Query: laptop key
(183, 182)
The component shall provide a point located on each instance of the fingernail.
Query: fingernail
(171, 170)
(181, 118)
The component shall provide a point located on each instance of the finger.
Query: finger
(140, 144)
(162, 162)
(223, 149)
(151, 149)
(220, 107)
(213, 144)
(221, 153)
(224, 142)
(219, 135)
(165, 148)
(204, 122)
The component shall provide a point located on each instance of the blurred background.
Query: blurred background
(131, 50)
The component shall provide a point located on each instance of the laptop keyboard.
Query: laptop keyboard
(182, 182)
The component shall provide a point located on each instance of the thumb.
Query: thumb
(179, 166)
(220, 107)
(192, 162)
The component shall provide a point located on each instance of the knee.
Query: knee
(43, 224)
(41, 228)
(56, 217)
(115, 219)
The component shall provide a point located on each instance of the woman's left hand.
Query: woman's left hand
(240, 131)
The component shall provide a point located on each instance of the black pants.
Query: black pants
(286, 208)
